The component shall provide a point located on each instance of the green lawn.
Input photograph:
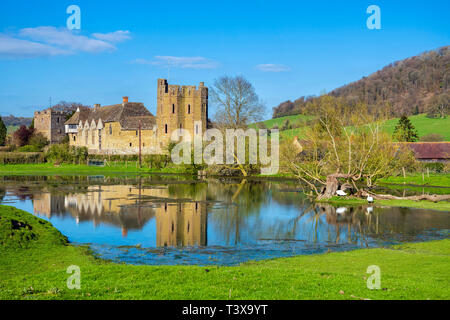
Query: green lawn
(434, 179)
(441, 205)
(47, 168)
(35, 257)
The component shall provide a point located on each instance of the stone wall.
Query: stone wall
(111, 139)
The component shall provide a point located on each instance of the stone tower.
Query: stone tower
(184, 107)
(50, 123)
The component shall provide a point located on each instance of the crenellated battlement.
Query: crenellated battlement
(181, 107)
(180, 90)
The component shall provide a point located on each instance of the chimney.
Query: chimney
(125, 99)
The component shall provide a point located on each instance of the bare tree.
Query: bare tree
(236, 101)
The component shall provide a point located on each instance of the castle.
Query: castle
(50, 123)
(127, 127)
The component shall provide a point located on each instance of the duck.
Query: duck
(369, 199)
(340, 193)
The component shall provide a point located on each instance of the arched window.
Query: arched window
(189, 109)
(110, 129)
(165, 128)
(173, 108)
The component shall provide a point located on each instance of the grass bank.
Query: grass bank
(35, 257)
(434, 179)
(68, 169)
(441, 206)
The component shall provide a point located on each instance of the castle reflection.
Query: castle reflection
(131, 208)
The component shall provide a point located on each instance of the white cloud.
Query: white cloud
(270, 67)
(11, 47)
(50, 41)
(180, 62)
(117, 36)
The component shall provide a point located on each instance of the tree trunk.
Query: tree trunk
(330, 188)
(432, 197)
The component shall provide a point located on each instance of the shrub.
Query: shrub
(436, 167)
(29, 148)
(38, 141)
(156, 161)
(63, 153)
(21, 157)
(22, 135)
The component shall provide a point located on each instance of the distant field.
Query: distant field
(423, 125)
(11, 129)
(298, 120)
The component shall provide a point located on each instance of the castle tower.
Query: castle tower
(50, 123)
(184, 107)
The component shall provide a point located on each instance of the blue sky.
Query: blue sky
(285, 48)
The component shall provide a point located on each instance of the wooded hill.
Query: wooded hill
(410, 86)
(16, 121)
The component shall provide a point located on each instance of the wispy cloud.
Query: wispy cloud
(51, 41)
(12, 47)
(116, 36)
(180, 62)
(270, 67)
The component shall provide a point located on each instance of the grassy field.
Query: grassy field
(299, 120)
(35, 257)
(435, 179)
(441, 206)
(423, 125)
(11, 129)
(48, 169)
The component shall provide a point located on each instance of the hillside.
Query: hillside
(12, 121)
(410, 86)
(421, 122)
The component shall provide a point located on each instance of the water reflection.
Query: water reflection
(156, 220)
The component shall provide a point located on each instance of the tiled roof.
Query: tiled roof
(128, 114)
(430, 150)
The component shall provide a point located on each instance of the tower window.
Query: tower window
(173, 108)
(165, 128)
(74, 138)
(181, 126)
(136, 132)
(189, 109)
(131, 144)
(110, 129)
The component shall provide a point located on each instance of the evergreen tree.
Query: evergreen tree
(404, 130)
(3, 132)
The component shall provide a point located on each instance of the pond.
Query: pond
(168, 220)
